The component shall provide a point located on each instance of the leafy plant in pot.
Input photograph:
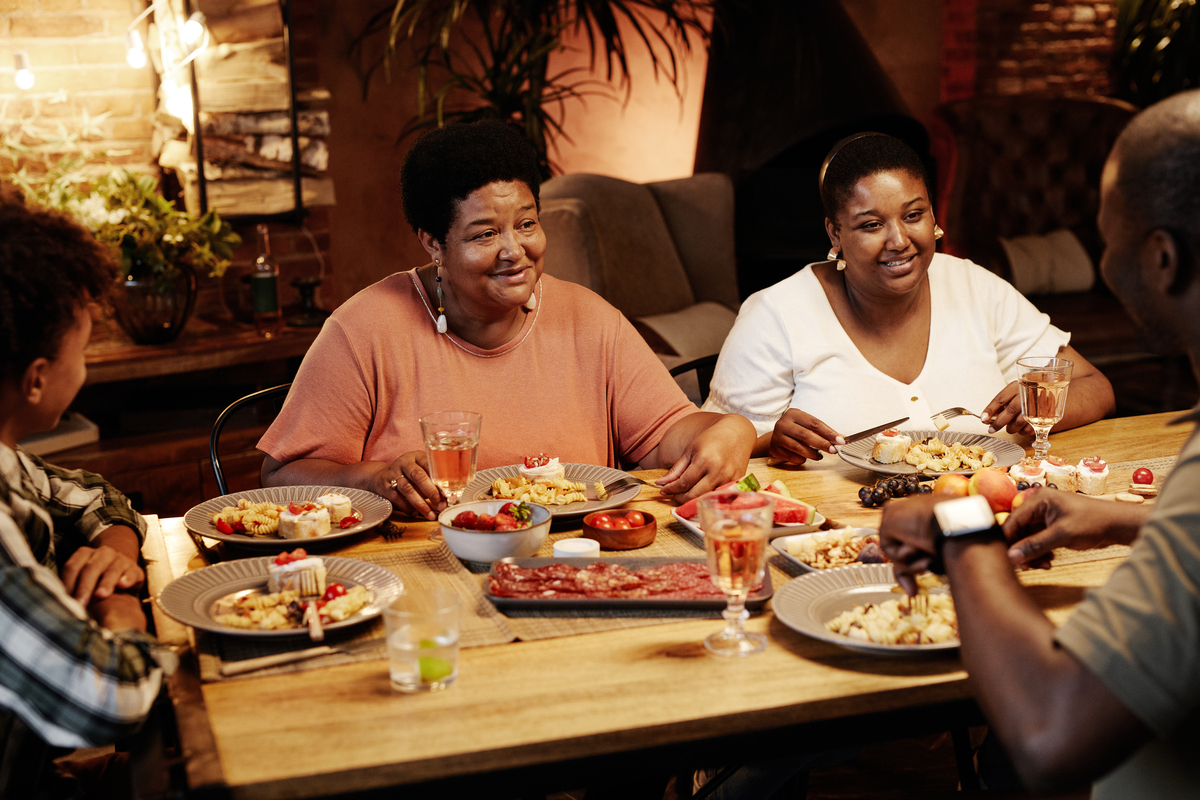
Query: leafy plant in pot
(491, 58)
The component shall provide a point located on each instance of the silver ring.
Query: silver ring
(392, 483)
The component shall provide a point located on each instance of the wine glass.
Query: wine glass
(1044, 382)
(735, 538)
(452, 446)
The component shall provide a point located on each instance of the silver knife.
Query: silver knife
(262, 662)
(854, 437)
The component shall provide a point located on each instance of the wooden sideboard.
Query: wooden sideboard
(155, 405)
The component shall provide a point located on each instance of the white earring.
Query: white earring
(531, 303)
(833, 255)
(441, 320)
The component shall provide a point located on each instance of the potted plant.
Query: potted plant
(160, 247)
(500, 64)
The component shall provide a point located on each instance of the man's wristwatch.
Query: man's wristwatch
(964, 517)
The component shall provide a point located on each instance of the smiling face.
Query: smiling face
(885, 233)
(494, 251)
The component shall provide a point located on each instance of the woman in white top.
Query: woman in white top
(887, 328)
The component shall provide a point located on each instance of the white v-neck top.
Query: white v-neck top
(788, 350)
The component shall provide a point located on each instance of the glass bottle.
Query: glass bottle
(264, 287)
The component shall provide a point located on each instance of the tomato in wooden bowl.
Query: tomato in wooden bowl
(620, 529)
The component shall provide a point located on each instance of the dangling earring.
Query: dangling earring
(938, 232)
(531, 303)
(833, 256)
(441, 320)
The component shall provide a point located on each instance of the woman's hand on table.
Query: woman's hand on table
(715, 450)
(1049, 519)
(1005, 410)
(799, 436)
(407, 484)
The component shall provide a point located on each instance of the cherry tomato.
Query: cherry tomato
(602, 521)
(223, 526)
(350, 521)
(636, 519)
(1143, 475)
(533, 462)
(621, 524)
(332, 591)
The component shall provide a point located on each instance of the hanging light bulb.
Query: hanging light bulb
(135, 51)
(178, 102)
(24, 75)
(193, 29)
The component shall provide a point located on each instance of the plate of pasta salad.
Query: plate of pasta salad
(578, 493)
(252, 518)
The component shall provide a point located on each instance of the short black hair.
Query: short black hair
(447, 164)
(50, 267)
(1159, 173)
(861, 157)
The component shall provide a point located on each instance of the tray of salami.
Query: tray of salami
(611, 583)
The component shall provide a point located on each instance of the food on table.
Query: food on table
(283, 610)
(296, 571)
(779, 487)
(887, 488)
(510, 517)
(995, 486)
(341, 513)
(836, 549)
(1126, 497)
(748, 484)
(952, 485)
(1060, 473)
(890, 447)
(304, 520)
(896, 622)
(1029, 470)
(1142, 475)
(541, 466)
(934, 455)
(788, 510)
(618, 521)
(682, 581)
(256, 519)
(543, 491)
(1093, 475)
(1143, 490)
(1023, 495)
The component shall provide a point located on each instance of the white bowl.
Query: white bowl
(488, 546)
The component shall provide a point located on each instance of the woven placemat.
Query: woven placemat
(673, 540)
(420, 569)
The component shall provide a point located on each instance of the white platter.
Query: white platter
(780, 543)
(780, 529)
(371, 507)
(859, 453)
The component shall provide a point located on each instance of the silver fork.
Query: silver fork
(942, 418)
(625, 482)
(391, 531)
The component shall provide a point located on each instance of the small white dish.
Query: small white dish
(780, 544)
(488, 546)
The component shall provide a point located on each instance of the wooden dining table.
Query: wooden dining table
(565, 712)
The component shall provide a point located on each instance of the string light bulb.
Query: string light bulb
(193, 29)
(135, 51)
(24, 75)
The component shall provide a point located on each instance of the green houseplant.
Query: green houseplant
(491, 58)
(1156, 49)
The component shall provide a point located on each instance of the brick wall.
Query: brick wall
(1020, 47)
(77, 52)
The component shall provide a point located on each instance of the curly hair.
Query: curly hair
(50, 266)
(859, 158)
(447, 164)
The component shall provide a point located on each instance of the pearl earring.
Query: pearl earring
(441, 320)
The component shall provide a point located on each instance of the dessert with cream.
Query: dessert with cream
(542, 467)
(890, 447)
(338, 504)
(1093, 475)
(296, 571)
(1060, 473)
(1028, 470)
(304, 521)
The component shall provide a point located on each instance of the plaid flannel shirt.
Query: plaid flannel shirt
(71, 681)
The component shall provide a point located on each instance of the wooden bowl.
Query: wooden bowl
(620, 538)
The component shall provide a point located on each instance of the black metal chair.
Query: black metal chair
(274, 392)
(704, 368)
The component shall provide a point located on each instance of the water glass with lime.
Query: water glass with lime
(422, 639)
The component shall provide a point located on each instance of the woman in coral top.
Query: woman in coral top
(551, 366)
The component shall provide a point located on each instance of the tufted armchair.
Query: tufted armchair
(662, 253)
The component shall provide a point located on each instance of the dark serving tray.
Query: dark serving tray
(754, 602)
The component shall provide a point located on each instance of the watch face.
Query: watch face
(964, 515)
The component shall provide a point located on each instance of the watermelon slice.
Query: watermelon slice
(788, 510)
(779, 487)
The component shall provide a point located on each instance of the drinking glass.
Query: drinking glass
(735, 537)
(1044, 382)
(422, 639)
(452, 445)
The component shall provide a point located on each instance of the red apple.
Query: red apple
(995, 486)
(951, 484)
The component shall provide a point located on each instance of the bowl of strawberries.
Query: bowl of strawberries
(489, 530)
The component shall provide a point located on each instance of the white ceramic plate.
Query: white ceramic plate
(481, 488)
(806, 603)
(780, 529)
(859, 453)
(190, 598)
(371, 507)
(781, 545)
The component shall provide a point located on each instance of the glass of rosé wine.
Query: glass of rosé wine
(735, 526)
(452, 446)
(1044, 382)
